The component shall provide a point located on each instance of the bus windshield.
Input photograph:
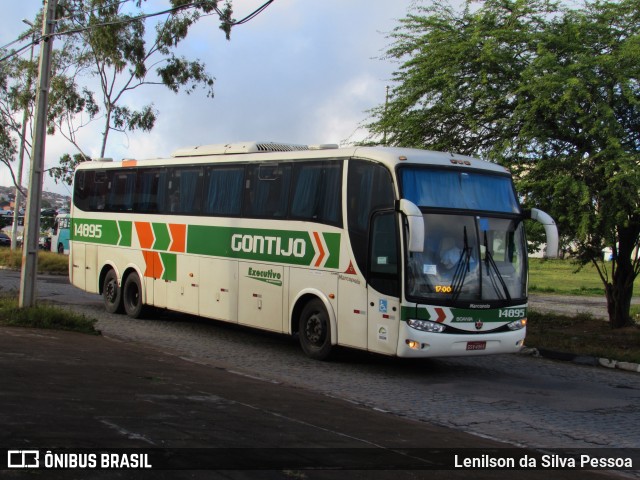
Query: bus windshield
(468, 190)
(469, 258)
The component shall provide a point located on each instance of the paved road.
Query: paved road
(596, 306)
(517, 399)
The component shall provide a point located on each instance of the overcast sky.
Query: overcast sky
(303, 71)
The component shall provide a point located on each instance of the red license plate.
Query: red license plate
(476, 345)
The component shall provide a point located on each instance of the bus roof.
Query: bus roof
(273, 151)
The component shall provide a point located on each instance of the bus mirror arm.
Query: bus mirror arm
(415, 222)
(550, 230)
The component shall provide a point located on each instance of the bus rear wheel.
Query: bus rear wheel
(111, 293)
(315, 330)
(132, 296)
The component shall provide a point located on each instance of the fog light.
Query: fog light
(413, 344)
(426, 326)
(518, 324)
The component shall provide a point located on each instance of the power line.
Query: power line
(173, 10)
(20, 50)
(252, 15)
(129, 20)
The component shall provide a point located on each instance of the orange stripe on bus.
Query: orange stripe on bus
(178, 237)
(322, 252)
(154, 268)
(129, 163)
(145, 234)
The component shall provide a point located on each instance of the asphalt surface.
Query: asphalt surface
(68, 390)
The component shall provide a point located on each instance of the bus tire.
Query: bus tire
(315, 330)
(112, 293)
(132, 296)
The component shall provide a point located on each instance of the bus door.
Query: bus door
(261, 289)
(183, 293)
(84, 266)
(384, 283)
(219, 289)
(352, 309)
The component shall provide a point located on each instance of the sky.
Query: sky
(302, 72)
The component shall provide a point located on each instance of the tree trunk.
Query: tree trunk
(618, 305)
(620, 291)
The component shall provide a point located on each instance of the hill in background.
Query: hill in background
(49, 199)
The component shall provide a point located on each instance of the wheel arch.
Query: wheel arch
(302, 298)
(103, 273)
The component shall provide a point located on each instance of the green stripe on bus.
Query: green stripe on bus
(333, 244)
(170, 263)
(95, 231)
(291, 247)
(163, 239)
(282, 246)
(464, 315)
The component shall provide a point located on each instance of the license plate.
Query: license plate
(476, 345)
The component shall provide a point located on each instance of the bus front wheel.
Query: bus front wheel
(315, 330)
(132, 296)
(111, 293)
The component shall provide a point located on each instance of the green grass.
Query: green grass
(48, 262)
(564, 277)
(43, 316)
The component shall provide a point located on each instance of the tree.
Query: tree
(108, 42)
(550, 92)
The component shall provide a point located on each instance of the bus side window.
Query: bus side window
(267, 190)
(121, 191)
(383, 258)
(369, 188)
(185, 191)
(316, 195)
(150, 191)
(223, 190)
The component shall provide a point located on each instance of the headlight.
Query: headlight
(426, 326)
(518, 324)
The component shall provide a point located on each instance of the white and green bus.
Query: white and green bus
(401, 252)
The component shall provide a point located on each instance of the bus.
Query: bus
(403, 252)
(61, 233)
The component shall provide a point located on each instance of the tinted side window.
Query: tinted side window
(383, 264)
(369, 188)
(184, 190)
(223, 191)
(267, 190)
(121, 188)
(317, 189)
(90, 189)
(151, 190)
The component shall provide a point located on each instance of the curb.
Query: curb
(580, 359)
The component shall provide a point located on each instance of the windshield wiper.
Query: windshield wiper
(492, 266)
(462, 268)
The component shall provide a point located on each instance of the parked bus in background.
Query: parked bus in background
(61, 234)
(401, 252)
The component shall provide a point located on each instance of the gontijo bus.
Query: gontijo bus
(397, 251)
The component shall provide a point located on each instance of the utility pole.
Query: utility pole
(27, 296)
(25, 117)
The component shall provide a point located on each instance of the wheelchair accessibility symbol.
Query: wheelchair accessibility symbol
(382, 306)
